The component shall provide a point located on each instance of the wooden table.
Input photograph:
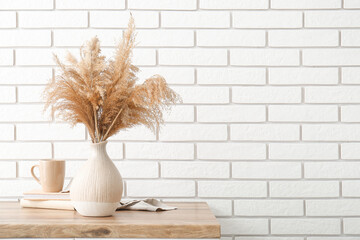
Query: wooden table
(190, 220)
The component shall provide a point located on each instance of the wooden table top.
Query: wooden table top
(190, 220)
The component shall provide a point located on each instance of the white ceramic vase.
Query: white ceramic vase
(97, 188)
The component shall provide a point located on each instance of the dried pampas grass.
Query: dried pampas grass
(103, 95)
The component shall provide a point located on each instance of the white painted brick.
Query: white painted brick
(231, 38)
(264, 57)
(332, 19)
(177, 169)
(22, 113)
(331, 132)
(163, 188)
(351, 4)
(267, 19)
(220, 207)
(7, 19)
(268, 207)
(90, 4)
(6, 56)
(120, 19)
(20, 38)
(159, 151)
(234, 4)
(25, 150)
(231, 76)
(244, 226)
(332, 170)
(351, 225)
(350, 75)
(266, 95)
(303, 151)
(193, 132)
(7, 169)
(326, 226)
(305, 4)
(15, 188)
(37, 56)
(203, 94)
(52, 19)
(304, 189)
(144, 57)
(162, 4)
(30, 94)
(28, 75)
(137, 169)
(194, 57)
(230, 151)
(332, 238)
(137, 133)
(231, 113)
(173, 75)
(180, 113)
(165, 38)
(24, 4)
(264, 132)
(304, 113)
(338, 94)
(303, 38)
(351, 188)
(80, 150)
(293, 76)
(350, 38)
(350, 113)
(268, 170)
(198, 19)
(49, 132)
(333, 207)
(232, 189)
(7, 95)
(350, 151)
(7, 132)
(331, 57)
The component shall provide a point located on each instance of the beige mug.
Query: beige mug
(52, 174)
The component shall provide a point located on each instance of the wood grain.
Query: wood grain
(190, 220)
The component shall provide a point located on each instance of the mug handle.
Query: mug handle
(33, 174)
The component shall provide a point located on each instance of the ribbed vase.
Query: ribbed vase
(97, 188)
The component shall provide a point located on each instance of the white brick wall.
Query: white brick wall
(269, 129)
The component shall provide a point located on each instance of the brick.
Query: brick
(303, 76)
(144, 57)
(26, 5)
(248, 226)
(22, 113)
(220, 207)
(180, 113)
(331, 57)
(267, 19)
(331, 132)
(138, 133)
(332, 170)
(231, 38)
(264, 57)
(351, 225)
(234, 4)
(332, 19)
(266, 95)
(37, 56)
(350, 151)
(304, 189)
(52, 19)
(231, 113)
(15, 188)
(230, 151)
(7, 19)
(120, 19)
(193, 132)
(303, 151)
(303, 38)
(163, 188)
(305, 226)
(90, 4)
(268, 170)
(198, 19)
(30, 94)
(162, 4)
(159, 151)
(338, 94)
(350, 113)
(16, 150)
(231, 76)
(6, 56)
(173, 75)
(203, 94)
(333, 207)
(264, 132)
(268, 207)
(7, 132)
(351, 188)
(305, 4)
(165, 38)
(351, 4)
(7, 169)
(199, 57)
(303, 113)
(20, 38)
(349, 38)
(28, 75)
(350, 75)
(186, 169)
(137, 169)
(232, 189)
(7, 95)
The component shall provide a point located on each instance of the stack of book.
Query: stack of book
(40, 199)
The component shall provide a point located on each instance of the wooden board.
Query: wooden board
(190, 220)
